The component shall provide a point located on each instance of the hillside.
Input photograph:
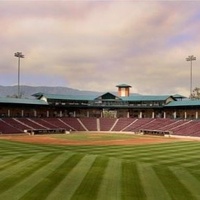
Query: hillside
(27, 91)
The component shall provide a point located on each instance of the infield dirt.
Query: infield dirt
(96, 140)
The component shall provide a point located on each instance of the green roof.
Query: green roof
(183, 103)
(68, 97)
(178, 96)
(108, 96)
(22, 101)
(146, 98)
(93, 97)
(123, 85)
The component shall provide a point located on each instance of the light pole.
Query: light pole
(19, 55)
(190, 58)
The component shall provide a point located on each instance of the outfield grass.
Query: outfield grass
(94, 136)
(152, 172)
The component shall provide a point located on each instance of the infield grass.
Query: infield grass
(168, 171)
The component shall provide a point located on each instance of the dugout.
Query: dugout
(155, 132)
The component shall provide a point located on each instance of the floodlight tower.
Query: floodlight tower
(190, 58)
(19, 55)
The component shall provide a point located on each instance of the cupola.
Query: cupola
(123, 90)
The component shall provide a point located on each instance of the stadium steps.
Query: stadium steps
(8, 128)
(106, 123)
(122, 123)
(149, 124)
(82, 124)
(98, 124)
(58, 124)
(45, 123)
(129, 125)
(72, 128)
(33, 125)
(183, 124)
(74, 123)
(90, 123)
(26, 125)
(182, 128)
(171, 125)
(16, 124)
(39, 124)
(114, 125)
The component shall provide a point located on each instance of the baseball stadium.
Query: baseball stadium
(106, 147)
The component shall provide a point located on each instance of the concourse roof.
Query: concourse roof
(105, 96)
(66, 97)
(10, 100)
(183, 103)
(146, 98)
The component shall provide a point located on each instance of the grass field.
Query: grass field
(93, 136)
(53, 172)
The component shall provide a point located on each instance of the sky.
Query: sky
(95, 45)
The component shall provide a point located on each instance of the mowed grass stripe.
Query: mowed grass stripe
(137, 149)
(8, 161)
(175, 153)
(47, 185)
(34, 165)
(19, 166)
(181, 161)
(26, 148)
(162, 156)
(89, 187)
(170, 146)
(19, 146)
(172, 183)
(188, 180)
(192, 163)
(19, 190)
(151, 184)
(144, 154)
(169, 161)
(71, 185)
(72, 180)
(111, 184)
(131, 185)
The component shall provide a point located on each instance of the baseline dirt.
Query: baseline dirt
(47, 139)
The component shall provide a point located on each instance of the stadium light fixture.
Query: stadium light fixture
(190, 58)
(18, 55)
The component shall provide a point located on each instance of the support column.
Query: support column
(175, 115)
(115, 114)
(61, 114)
(128, 114)
(197, 115)
(153, 115)
(164, 115)
(185, 115)
(88, 113)
(47, 113)
(140, 116)
(35, 113)
(74, 113)
(8, 113)
(22, 113)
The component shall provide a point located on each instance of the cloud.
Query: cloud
(95, 45)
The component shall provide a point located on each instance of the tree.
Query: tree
(195, 94)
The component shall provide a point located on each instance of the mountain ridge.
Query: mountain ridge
(28, 91)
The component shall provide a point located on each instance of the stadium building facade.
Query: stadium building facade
(107, 105)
